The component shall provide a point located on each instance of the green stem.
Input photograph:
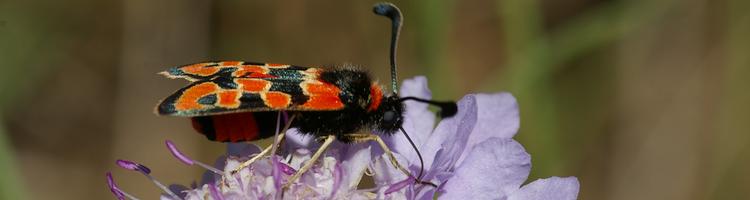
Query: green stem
(432, 23)
(10, 186)
(526, 63)
(728, 176)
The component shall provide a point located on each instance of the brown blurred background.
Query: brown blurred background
(639, 99)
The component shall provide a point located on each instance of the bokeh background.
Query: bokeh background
(640, 99)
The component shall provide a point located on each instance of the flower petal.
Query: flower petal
(416, 87)
(295, 140)
(553, 188)
(384, 172)
(178, 190)
(354, 167)
(497, 116)
(498, 112)
(494, 169)
(242, 149)
(451, 136)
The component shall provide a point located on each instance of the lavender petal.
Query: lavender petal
(214, 191)
(385, 173)
(242, 149)
(295, 140)
(178, 190)
(355, 166)
(492, 170)
(553, 188)
(337, 177)
(418, 120)
(451, 135)
(497, 116)
(399, 185)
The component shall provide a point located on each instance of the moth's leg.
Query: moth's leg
(327, 142)
(268, 149)
(259, 155)
(364, 137)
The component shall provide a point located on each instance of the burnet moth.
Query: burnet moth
(233, 101)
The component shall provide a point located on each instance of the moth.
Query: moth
(233, 101)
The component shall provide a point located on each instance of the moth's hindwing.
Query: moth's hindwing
(233, 86)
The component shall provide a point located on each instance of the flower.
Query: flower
(330, 178)
(471, 155)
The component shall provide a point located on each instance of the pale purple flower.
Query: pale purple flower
(330, 178)
(470, 156)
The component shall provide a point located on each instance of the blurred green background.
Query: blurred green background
(639, 99)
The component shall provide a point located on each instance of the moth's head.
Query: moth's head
(389, 115)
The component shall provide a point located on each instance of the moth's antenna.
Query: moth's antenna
(421, 161)
(447, 108)
(392, 12)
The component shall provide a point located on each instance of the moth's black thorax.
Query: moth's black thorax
(355, 94)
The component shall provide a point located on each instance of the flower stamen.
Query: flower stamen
(184, 159)
(120, 194)
(130, 165)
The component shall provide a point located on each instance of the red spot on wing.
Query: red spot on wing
(252, 71)
(276, 100)
(229, 98)
(253, 85)
(323, 96)
(254, 75)
(376, 97)
(235, 127)
(189, 98)
(200, 69)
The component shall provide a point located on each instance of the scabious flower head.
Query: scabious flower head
(469, 156)
(330, 178)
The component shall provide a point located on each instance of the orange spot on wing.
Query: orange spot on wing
(276, 100)
(376, 97)
(200, 69)
(253, 85)
(323, 96)
(189, 98)
(275, 65)
(229, 98)
(231, 63)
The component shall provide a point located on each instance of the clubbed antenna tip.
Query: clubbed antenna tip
(392, 12)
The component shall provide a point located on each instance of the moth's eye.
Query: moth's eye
(389, 116)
